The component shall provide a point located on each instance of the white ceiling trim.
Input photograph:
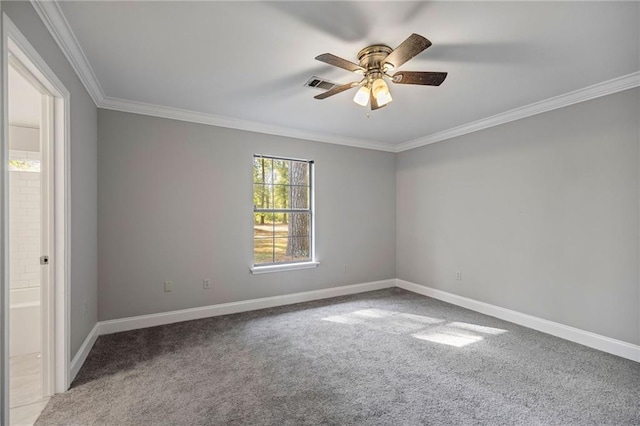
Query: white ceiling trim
(58, 26)
(56, 23)
(234, 123)
(591, 92)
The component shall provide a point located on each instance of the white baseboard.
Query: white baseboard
(83, 352)
(152, 320)
(586, 338)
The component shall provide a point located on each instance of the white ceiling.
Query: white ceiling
(249, 60)
(24, 101)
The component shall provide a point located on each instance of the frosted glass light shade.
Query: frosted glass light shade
(362, 96)
(381, 92)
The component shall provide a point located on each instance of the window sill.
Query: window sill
(282, 268)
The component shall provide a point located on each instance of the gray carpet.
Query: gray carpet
(386, 357)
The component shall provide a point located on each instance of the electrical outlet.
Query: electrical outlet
(458, 276)
(168, 286)
(206, 283)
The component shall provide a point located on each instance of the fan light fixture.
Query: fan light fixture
(380, 91)
(362, 96)
(378, 61)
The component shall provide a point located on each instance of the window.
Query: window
(282, 212)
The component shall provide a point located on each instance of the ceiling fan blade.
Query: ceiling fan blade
(336, 90)
(336, 61)
(409, 48)
(419, 77)
(374, 102)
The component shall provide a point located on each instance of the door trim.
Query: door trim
(47, 239)
(16, 44)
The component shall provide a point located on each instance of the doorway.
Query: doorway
(30, 119)
(35, 233)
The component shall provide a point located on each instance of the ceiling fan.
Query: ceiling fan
(375, 64)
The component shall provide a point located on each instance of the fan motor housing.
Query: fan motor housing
(371, 57)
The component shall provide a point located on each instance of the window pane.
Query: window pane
(257, 170)
(268, 196)
(281, 171)
(299, 248)
(299, 225)
(262, 250)
(259, 195)
(263, 196)
(281, 196)
(263, 231)
(299, 197)
(299, 173)
(268, 170)
(281, 254)
(262, 170)
(263, 225)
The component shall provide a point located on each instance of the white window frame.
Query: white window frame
(288, 266)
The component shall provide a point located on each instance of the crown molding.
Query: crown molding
(608, 87)
(56, 23)
(234, 123)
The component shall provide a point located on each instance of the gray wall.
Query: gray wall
(83, 185)
(540, 215)
(175, 203)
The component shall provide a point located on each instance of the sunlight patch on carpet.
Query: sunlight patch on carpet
(449, 336)
(478, 328)
(387, 321)
(457, 334)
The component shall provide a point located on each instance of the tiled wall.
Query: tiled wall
(24, 220)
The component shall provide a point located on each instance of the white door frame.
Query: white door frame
(47, 282)
(14, 43)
